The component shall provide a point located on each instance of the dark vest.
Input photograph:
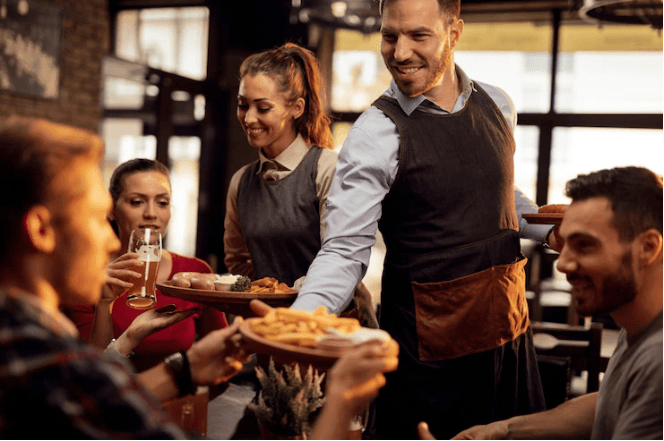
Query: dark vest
(280, 220)
(450, 213)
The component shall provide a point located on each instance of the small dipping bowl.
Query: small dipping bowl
(224, 283)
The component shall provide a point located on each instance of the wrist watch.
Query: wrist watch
(179, 365)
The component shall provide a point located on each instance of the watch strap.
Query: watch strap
(179, 365)
(546, 238)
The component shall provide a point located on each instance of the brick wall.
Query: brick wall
(85, 41)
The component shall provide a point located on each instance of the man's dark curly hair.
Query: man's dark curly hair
(635, 194)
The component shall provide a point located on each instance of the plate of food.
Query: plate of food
(547, 214)
(316, 338)
(232, 298)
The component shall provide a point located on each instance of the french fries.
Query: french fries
(301, 328)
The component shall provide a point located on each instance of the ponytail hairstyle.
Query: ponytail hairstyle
(295, 71)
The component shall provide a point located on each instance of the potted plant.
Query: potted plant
(288, 402)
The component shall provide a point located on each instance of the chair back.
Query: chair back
(190, 412)
(579, 344)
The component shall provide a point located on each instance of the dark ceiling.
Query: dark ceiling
(537, 11)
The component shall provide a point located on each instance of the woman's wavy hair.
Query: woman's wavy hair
(296, 72)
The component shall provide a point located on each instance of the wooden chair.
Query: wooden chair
(190, 412)
(579, 346)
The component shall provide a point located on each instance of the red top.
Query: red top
(154, 348)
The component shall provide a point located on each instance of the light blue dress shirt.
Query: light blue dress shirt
(366, 168)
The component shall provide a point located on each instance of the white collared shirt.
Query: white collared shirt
(237, 258)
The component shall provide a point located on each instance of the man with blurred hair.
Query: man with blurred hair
(55, 240)
(430, 163)
(612, 255)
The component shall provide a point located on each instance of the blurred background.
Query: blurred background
(159, 78)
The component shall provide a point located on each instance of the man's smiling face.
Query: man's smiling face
(417, 43)
(597, 263)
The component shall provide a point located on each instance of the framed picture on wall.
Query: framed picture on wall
(30, 42)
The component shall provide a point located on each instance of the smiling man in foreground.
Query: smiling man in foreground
(612, 255)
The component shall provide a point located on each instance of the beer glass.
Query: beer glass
(146, 242)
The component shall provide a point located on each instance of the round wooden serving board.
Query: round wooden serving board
(232, 302)
(285, 353)
(544, 218)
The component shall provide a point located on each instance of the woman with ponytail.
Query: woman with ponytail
(275, 211)
(275, 214)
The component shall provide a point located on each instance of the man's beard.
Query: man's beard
(616, 290)
(619, 288)
(413, 88)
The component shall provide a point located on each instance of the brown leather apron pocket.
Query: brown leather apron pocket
(471, 314)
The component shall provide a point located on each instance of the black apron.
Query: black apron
(280, 220)
(453, 283)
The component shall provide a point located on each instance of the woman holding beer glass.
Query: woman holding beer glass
(141, 193)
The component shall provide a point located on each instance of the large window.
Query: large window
(172, 40)
(612, 70)
(579, 150)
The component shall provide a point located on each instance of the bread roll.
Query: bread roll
(553, 208)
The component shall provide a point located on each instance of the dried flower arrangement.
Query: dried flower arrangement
(287, 402)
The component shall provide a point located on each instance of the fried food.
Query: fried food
(268, 285)
(301, 328)
(206, 281)
(553, 208)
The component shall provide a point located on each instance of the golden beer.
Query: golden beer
(142, 294)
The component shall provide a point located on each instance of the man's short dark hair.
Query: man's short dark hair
(451, 7)
(635, 194)
(33, 152)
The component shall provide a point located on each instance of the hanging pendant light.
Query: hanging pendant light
(360, 15)
(647, 12)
